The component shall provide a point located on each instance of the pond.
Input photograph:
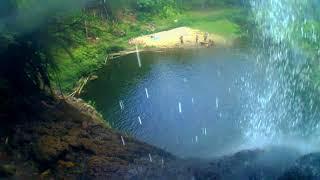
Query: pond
(187, 102)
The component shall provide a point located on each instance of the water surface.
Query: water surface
(185, 101)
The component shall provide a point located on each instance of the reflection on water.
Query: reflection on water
(187, 102)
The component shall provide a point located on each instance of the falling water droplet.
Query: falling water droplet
(121, 105)
(139, 120)
(180, 107)
(229, 90)
(196, 139)
(6, 140)
(123, 142)
(150, 158)
(185, 80)
(192, 100)
(162, 162)
(138, 57)
(147, 93)
(217, 103)
(204, 131)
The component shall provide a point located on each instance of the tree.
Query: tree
(27, 31)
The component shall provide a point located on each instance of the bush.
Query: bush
(160, 7)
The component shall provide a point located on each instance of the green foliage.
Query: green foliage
(192, 4)
(92, 103)
(308, 43)
(71, 53)
(228, 22)
(160, 7)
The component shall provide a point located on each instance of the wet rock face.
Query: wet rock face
(250, 164)
(307, 167)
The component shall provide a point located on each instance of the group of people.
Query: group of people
(205, 38)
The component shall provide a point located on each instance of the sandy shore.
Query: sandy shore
(172, 39)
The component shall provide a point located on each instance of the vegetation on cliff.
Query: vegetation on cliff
(98, 37)
(92, 32)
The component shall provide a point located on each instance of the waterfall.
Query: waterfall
(284, 106)
(138, 56)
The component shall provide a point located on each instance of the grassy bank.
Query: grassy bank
(99, 37)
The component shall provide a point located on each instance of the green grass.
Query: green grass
(226, 22)
(221, 27)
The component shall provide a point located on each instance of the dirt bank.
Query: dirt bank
(173, 38)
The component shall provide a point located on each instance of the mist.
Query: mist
(24, 17)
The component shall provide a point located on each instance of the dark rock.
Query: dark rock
(106, 167)
(250, 164)
(307, 167)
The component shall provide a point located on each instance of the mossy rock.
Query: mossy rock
(49, 148)
(66, 164)
(101, 166)
(46, 174)
(7, 170)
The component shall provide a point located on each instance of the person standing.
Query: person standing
(181, 39)
(197, 39)
(211, 43)
(206, 34)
